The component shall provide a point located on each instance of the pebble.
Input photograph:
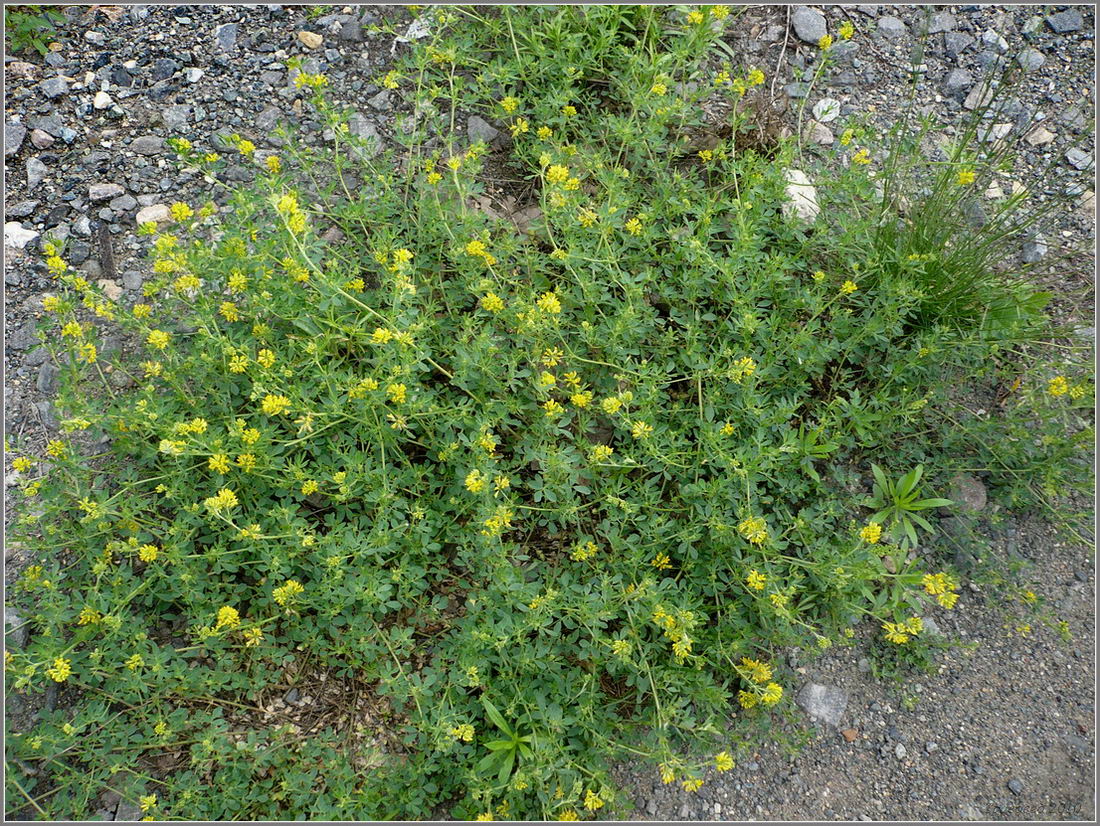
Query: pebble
(310, 40)
(1034, 250)
(820, 134)
(16, 632)
(808, 24)
(941, 22)
(955, 43)
(827, 110)
(104, 191)
(967, 492)
(801, 196)
(891, 27)
(102, 100)
(41, 139)
(14, 132)
(822, 702)
(1031, 60)
(1069, 20)
(1040, 136)
(147, 144)
(225, 36)
(95, 38)
(957, 83)
(176, 117)
(23, 209)
(1016, 786)
(54, 87)
(479, 129)
(47, 378)
(158, 213)
(1079, 159)
(36, 172)
(992, 39)
(193, 74)
(899, 751)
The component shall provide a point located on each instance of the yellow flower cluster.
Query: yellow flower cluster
(464, 732)
(742, 369)
(676, 627)
(475, 481)
(754, 529)
(274, 405)
(871, 532)
(900, 632)
(499, 522)
(225, 499)
(477, 249)
(943, 587)
(228, 617)
(584, 551)
(286, 592)
(756, 580)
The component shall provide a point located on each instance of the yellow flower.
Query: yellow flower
(390, 80)
(947, 600)
(862, 157)
(475, 481)
(871, 532)
(773, 693)
(485, 816)
(582, 399)
(219, 463)
(692, 784)
(147, 802)
(396, 392)
(695, 17)
(720, 12)
(659, 88)
(273, 163)
(509, 104)
(825, 42)
(634, 226)
(148, 553)
(756, 580)
(723, 762)
(492, 303)
(568, 814)
(896, 633)
(274, 405)
(557, 174)
(742, 369)
(965, 177)
(914, 625)
(755, 77)
(520, 127)
(181, 211)
(22, 464)
(846, 30)
(253, 637)
(759, 672)
(848, 287)
(265, 357)
(747, 699)
(661, 562)
(640, 429)
(601, 453)
(1058, 386)
(754, 529)
(592, 801)
(310, 486)
(569, 111)
(224, 500)
(56, 448)
(544, 133)
(135, 662)
(60, 670)
(549, 302)
(158, 339)
(847, 136)
(464, 732)
(287, 591)
(584, 552)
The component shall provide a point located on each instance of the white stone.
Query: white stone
(310, 40)
(1040, 136)
(827, 110)
(802, 196)
(110, 289)
(16, 235)
(158, 213)
(102, 100)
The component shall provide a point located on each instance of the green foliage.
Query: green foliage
(30, 27)
(897, 504)
(574, 479)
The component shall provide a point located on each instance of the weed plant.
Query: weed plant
(526, 494)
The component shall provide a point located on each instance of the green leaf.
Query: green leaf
(496, 716)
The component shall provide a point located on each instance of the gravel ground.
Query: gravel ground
(1005, 731)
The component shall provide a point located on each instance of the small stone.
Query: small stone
(827, 110)
(54, 87)
(1016, 786)
(17, 236)
(892, 27)
(1034, 250)
(82, 226)
(14, 132)
(95, 38)
(996, 132)
(128, 811)
(104, 192)
(808, 24)
(40, 139)
(362, 128)
(225, 37)
(479, 129)
(941, 22)
(1066, 21)
(36, 172)
(164, 68)
(16, 632)
(47, 378)
(23, 209)
(176, 117)
(110, 289)
(1079, 159)
(980, 96)
(931, 747)
(899, 751)
(931, 627)
(102, 100)
(819, 133)
(797, 90)
(147, 144)
(864, 665)
(992, 39)
(310, 40)
(1030, 60)
(825, 703)
(380, 101)
(193, 74)
(158, 213)
(1040, 136)
(967, 492)
(849, 734)
(957, 82)
(968, 811)
(801, 195)
(955, 43)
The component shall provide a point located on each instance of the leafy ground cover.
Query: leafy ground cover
(533, 491)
